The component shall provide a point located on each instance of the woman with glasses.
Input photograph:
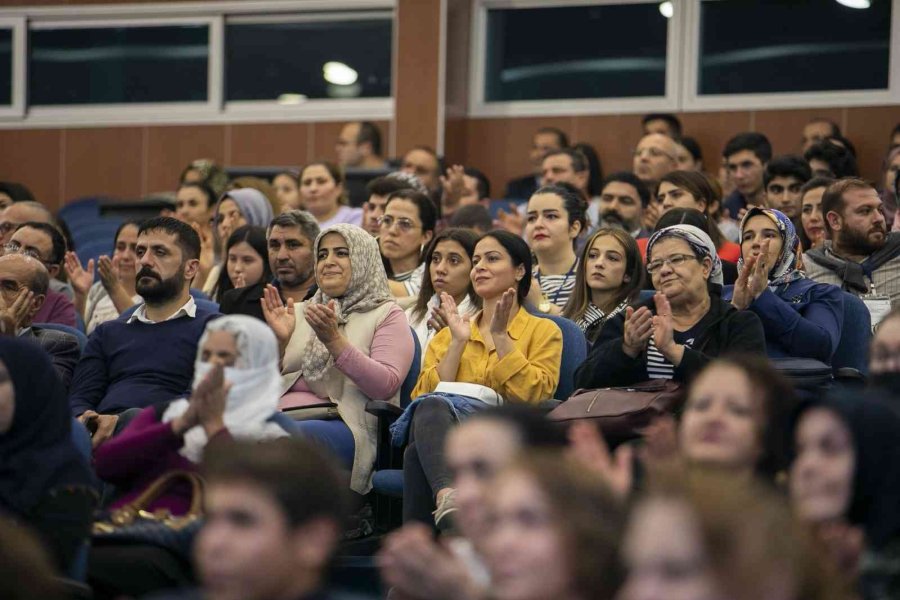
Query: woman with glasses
(322, 193)
(405, 229)
(685, 325)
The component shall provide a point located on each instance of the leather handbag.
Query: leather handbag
(622, 412)
(133, 523)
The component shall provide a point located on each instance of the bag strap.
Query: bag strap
(164, 482)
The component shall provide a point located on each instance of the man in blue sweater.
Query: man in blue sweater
(148, 357)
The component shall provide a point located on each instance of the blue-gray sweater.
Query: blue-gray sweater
(134, 365)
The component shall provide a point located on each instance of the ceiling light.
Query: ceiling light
(666, 9)
(339, 74)
(855, 3)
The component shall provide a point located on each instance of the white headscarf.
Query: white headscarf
(255, 385)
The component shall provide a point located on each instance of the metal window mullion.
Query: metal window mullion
(216, 69)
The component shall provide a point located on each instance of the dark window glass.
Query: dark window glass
(793, 46)
(610, 51)
(114, 65)
(6, 66)
(266, 60)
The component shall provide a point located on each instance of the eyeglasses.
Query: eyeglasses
(17, 248)
(405, 225)
(7, 227)
(673, 261)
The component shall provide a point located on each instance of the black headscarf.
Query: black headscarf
(37, 453)
(875, 427)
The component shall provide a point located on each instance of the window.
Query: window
(571, 52)
(6, 66)
(118, 65)
(273, 60)
(770, 46)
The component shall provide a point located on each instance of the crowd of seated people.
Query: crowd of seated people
(287, 349)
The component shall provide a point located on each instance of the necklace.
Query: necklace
(561, 286)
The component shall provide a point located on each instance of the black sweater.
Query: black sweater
(727, 330)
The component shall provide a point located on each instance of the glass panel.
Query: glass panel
(268, 61)
(610, 51)
(119, 65)
(6, 64)
(793, 46)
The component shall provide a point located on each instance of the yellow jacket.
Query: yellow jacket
(530, 373)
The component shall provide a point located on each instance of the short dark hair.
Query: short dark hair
(839, 159)
(204, 188)
(561, 136)
(756, 143)
(670, 120)
(520, 254)
(58, 251)
(833, 198)
(386, 185)
(300, 477)
(482, 183)
(472, 216)
(369, 132)
(185, 236)
(579, 160)
(632, 180)
(814, 183)
(16, 191)
(691, 145)
(787, 166)
(428, 212)
(301, 219)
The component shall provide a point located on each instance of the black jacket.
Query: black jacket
(728, 330)
(245, 300)
(62, 348)
(521, 188)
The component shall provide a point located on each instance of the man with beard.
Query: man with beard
(139, 360)
(290, 239)
(861, 256)
(623, 198)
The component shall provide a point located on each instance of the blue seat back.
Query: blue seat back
(856, 333)
(82, 339)
(574, 352)
(413, 375)
(645, 295)
(283, 420)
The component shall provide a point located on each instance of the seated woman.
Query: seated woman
(235, 395)
(693, 189)
(449, 260)
(105, 300)
(801, 318)
(609, 278)
(348, 344)
(502, 347)
(322, 193)
(554, 219)
(237, 208)
(683, 327)
(692, 216)
(843, 483)
(39, 456)
(287, 188)
(405, 229)
(812, 222)
(246, 261)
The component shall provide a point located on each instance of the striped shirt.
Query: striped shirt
(557, 288)
(593, 314)
(657, 365)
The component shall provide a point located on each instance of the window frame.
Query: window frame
(16, 109)
(215, 110)
(692, 101)
(478, 107)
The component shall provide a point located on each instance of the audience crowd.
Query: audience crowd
(662, 383)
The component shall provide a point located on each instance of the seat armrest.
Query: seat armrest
(849, 373)
(381, 409)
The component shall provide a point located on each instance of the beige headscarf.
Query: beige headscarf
(368, 290)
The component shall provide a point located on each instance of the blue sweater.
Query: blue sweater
(134, 365)
(801, 319)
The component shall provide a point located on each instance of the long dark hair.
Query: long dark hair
(428, 214)
(255, 236)
(465, 238)
(573, 203)
(520, 254)
(634, 269)
(133, 222)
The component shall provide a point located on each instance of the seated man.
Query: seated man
(31, 212)
(45, 243)
(545, 140)
(290, 239)
(24, 284)
(783, 178)
(274, 512)
(148, 357)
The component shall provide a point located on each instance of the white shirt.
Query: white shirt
(189, 309)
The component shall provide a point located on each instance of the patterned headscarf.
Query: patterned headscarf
(700, 244)
(787, 268)
(368, 289)
(253, 204)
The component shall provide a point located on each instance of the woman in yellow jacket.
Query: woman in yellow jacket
(511, 353)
